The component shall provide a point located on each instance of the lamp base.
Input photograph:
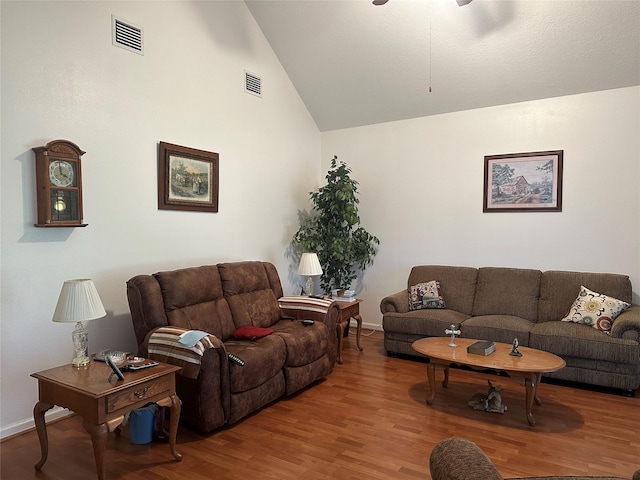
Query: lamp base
(80, 361)
(80, 345)
(309, 287)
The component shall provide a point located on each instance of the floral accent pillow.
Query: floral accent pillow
(426, 295)
(595, 309)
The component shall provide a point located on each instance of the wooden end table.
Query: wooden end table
(103, 404)
(348, 310)
(530, 366)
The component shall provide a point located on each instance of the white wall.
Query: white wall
(62, 78)
(421, 183)
(420, 180)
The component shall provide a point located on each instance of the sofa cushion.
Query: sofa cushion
(596, 310)
(263, 358)
(304, 343)
(498, 328)
(193, 300)
(567, 339)
(507, 291)
(427, 323)
(458, 284)
(251, 292)
(558, 290)
(426, 295)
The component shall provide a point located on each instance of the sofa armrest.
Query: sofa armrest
(395, 303)
(627, 325)
(164, 344)
(460, 459)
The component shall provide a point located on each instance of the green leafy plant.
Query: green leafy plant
(333, 231)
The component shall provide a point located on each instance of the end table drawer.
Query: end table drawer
(350, 311)
(138, 392)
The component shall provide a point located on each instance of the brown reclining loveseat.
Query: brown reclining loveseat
(218, 300)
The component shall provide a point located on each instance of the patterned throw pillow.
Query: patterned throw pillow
(426, 295)
(595, 309)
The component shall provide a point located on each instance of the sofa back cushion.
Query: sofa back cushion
(507, 291)
(193, 299)
(252, 290)
(559, 289)
(457, 284)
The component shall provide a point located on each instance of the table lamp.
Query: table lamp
(79, 302)
(309, 266)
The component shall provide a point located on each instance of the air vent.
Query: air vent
(127, 35)
(252, 84)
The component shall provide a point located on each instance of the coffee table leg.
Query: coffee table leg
(431, 376)
(445, 381)
(531, 386)
(41, 427)
(535, 395)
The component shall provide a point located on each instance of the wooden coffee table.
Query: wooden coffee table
(530, 366)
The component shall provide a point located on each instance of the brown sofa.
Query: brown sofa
(460, 459)
(500, 304)
(218, 299)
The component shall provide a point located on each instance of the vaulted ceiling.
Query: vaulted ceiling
(354, 63)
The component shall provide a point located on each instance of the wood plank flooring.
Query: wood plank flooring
(367, 420)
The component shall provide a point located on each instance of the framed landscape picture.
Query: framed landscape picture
(523, 182)
(187, 179)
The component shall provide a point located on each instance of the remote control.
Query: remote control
(321, 297)
(307, 322)
(235, 359)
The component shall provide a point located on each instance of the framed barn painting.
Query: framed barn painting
(523, 182)
(187, 179)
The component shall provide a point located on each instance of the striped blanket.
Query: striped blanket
(319, 305)
(181, 347)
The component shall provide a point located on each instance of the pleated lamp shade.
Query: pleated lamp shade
(309, 265)
(78, 302)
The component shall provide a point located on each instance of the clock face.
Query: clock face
(61, 173)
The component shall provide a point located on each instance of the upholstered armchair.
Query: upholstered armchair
(460, 459)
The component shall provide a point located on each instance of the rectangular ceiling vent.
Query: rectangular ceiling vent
(252, 84)
(127, 35)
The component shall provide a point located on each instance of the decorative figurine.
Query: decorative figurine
(492, 402)
(453, 332)
(514, 350)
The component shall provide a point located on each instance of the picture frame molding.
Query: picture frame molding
(527, 195)
(188, 178)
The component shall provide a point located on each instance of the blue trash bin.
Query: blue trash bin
(141, 424)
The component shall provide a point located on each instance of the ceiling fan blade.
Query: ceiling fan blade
(463, 2)
(379, 2)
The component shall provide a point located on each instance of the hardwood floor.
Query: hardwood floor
(367, 420)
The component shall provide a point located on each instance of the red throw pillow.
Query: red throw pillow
(249, 332)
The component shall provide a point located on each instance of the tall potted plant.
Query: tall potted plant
(333, 231)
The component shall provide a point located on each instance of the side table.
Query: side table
(103, 404)
(349, 310)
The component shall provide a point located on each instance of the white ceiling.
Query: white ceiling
(354, 63)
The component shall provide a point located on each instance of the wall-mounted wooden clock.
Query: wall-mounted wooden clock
(59, 184)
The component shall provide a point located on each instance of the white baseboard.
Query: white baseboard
(365, 326)
(28, 423)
